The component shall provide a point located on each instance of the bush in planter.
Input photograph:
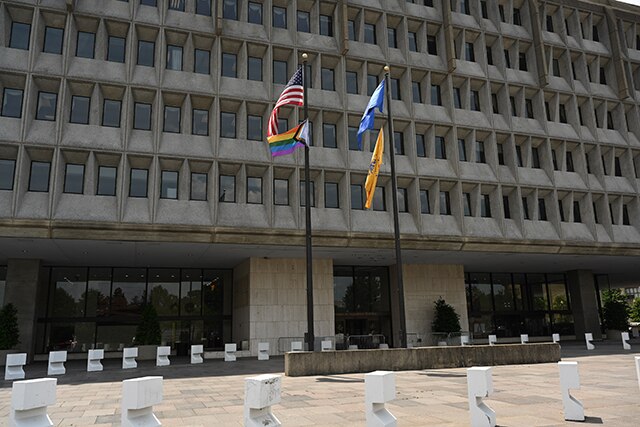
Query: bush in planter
(148, 332)
(9, 332)
(634, 311)
(445, 319)
(615, 310)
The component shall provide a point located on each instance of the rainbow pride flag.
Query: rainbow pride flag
(286, 142)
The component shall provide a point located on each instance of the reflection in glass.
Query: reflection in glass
(138, 184)
(128, 291)
(199, 186)
(281, 192)
(164, 289)
(169, 185)
(53, 40)
(481, 292)
(69, 292)
(47, 103)
(98, 292)
(86, 43)
(7, 171)
(74, 178)
(254, 190)
(20, 35)
(39, 177)
(146, 53)
(191, 293)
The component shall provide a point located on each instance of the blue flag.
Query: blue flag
(377, 100)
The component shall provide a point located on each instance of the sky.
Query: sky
(636, 2)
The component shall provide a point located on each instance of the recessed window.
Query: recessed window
(254, 71)
(416, 92)
(279, 17)
(480, 155)
(625, 215)
(522, 61)
(353, 138)
(555, 66)
(457, 99)
(483, 9)
(116, 49)
(501, 13)
(174, 57)
(39, 176)
(372, 83)
(12, 102)
(203, 7)
(562, 113)
(413, 41)
(432, 45)
(202, 61)
(445, 203)
(230, 9)
(395, 89)
(519, 156)
(255, 13)
(169, 185)
(254, 128)
(421, 148)
(506, 207)
(352, 82)
(436, 97)
(356, 197)
(326, 25)
(474, 100)
(516, 16)
(469, 54)
(312, 192)
(370, 33)
(512, 101)
(392, 38)
(462, 150)
(138, 183)
(200, 122)
(403, 205)
(304, 22)
(485, 206)
(254, 190)
(172, 118)
(227, 125)
(280, 73)
(106, 181)
(507, 59)
(142, 116)
(500, 153)
(227, 189)
(464, 7)
(146, 53)
(542, 210)
(379, 203)
(80, 109)
(329, 135)
(20, 34)
(177, 5)
(7, 172)
(466, 198)
(53, 38)
(351, 30)
(441, 149)
(489, 55)
(111, 113)
(283, 124)
(525, 208)
(528, 105)
(149, 3)
(495, 107)
(577, 217)
(229, 65)
(535, 158)
(86, 44)
(73, 178)
(327, 79)
(281, 192)
(199, 186)
(424, 202)
(331, 196)
(569, 157)
(398, 142)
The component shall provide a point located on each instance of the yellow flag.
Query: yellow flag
(374, 168)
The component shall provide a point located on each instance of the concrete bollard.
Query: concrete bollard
(637, 358)
(162, 356)
(569, 378)
(138, 397)
(625, 341)
(479, 386)
(129, 358)
(524, 338)
(383, 346)
(94, 358)
(263, 351)
(379, 388)
(56, 363)
(13, 366)
(260, 394)
(296, 346)
(464, 339)
(326, 345)
(588, 337)
(196, 354)
(230, 352)
(555, 338)
(29, 401)
(493, 340)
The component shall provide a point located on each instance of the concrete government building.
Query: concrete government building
(134, 167)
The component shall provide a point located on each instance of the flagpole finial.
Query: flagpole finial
(386, 68)
(305, 56)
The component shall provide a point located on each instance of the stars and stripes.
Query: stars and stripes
(293, 94)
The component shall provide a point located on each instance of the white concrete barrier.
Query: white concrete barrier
(464, 339)
(379, 388)
(588, 337)
(326, 345)
(479, 386)
(260, 394)
(353, 347)
(524, 338)
(162, 356)
(569, 378)
(555, 338)
(296, 346)
(493, 339)
(29, 401)
(94, 358)
(13, 366)
(196, 354)
(263, 351)
(138, 397)
(129, 358)
(625, 340)
(56, 363)
(637, 358)
(230, 352)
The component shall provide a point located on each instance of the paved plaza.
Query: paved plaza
(212, 394)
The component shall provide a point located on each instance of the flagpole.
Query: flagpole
(307, 198)
(396, 224)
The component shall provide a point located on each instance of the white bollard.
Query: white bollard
(162, 356)
(493, 339)
(230, 352)
(588, 337)
(479, 386)
(555, 338)
(638, 369)
(138, 397)
(13, 366)
(524, 338)
(196, 354)
(129, 358)
(464, 339)
(296, 346)
(569, 378)
(383, 346)
(260, 394)
(263, 351)
(93, 360)
(29, 401)
(379, 388)
(326, 345)
(625, 341)
(56, 363)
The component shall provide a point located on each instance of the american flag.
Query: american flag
(293, 94)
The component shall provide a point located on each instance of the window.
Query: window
(20, 34)
(395, 89)
(254, 71)
(416, 92)
(512, 101)
(39, 176)
(379, 200)
(421, 148)
(525, 208)
(148, 3)
(80, 109)
(403, 204)
(304, 22)
(469, 54)
(550, 23)
(174, 57)
(7, 171)
(562, 113)
(199, 186)
(462, 150)
(489, 55)
(254, 190)
(522, 61)
(485, 206)
(596, 36)
(577, 217)
(202, 61)
(12, 103)
(516, 16)
(445, 204)
(356, 197)
(353, 138)
(200, 122)
(53, 40)
(547, 110)
(146, 53)
(254, 128)
(494, 104)
(326, 25)
(229, 65)
(500, 154)
(528, 105)
(554, 159)
(617, 169)
(116, 49)
(203, 7)
(138, 184)
(283, 124)
(441, 149)
(352, 82)
(570, 167)
(370, 33)
(312, 192)
(177, 5)
(372, 83)
(169, 185)
(281, 192)
(230, 9)
(535, 158)
(432, 45)
(106, 181)
(327, 82)
(227, 189)
(464, 7)
(280, 74)
(480, 156)
(466, 198)
(329, 135)
(279, 17)
(142, 116)
(483, 9)
(331, 197)
(603, 76)
(351, 30)
(392, 38)
(561, 210)
(501, 13)
(555, 65)
(457, 100)
(413, 41)
(519, 156)
(86, 45)
(227, 125)
(172, 119)
(610, 120)
(507, 59)
(111, 113)
(625, 215)
(398, 142)
(542, 210)
(474, 100)
(424, 202)
(506, 207)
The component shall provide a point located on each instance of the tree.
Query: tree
(446, 319)
(148, 332)
(615, 310)
(634, 311)
(9, 332)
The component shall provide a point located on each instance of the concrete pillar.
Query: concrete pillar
(584, 303)
(23, 278)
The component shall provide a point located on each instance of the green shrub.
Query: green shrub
(445, 319)
(634, 311)
(9, 332)
(615, 310)
(148, 332)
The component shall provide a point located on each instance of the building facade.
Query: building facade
(134, 168)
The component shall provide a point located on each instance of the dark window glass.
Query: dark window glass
(519, 156)
(352, 82)
(395, 89)
(86, 44)
(303, 194)
(528, 104)
(494, 104)
(398, 143)
(457, 100)
(174, 57)
(230, 9)
(142, 116)
(331, 197)
(326, 25)
(138, 184)
(501, 13)
(474, 100)
(279, 17)
(554, 160)
(550, 23)
(500, 154)
(203, 7)
(146, 53)
(280, 72)
(535, 158)
(506, 207)
(480, 156)
(116, 49)
(356, 196)
(227, 125)
(12, 102)
(516, 17)
(169, 185)
(255, 13)
(304, 21)
(283, 125)
(372, 83)
(353, 138)
(47, 105)
(329, 135)
(413, 42)
(570, 167)
(421, 147)
(466, 199)
(562, 113)
(436, 98)
(483, 9)
(370, 33)
(464, 7)
(254, 128)
(254, 190)
(462, 150)
(469, 54)
(106, 181)
(617, 168)
(200, 125)
(20, 34)
(561, 210)
(281, 192)
(53, 40)
(485, 206)
(417, 92)
(351, 29)
(555, 65)
(542, 210)
(176, 5)
(525, 208)
(512, 101)
(39, 177)
(432, 45)
(73, 178)
(609, 120)
(172, 119)
(596, 36)
(229, 65)
(489, 55)
(202, 61)
(507, 59)
(111, 113)
(424, 202)
(199, 186)
(392, 39)
(576, 212)
(547, 110)
(403, 204)
(379, 200)
(441, 149)
(254, 71)
(445, 204)
(80, 109)
(327, 79)
(308, 76)
(625, 215)
(227, 189)
(148, 3)
(7, 171)
(522, 60)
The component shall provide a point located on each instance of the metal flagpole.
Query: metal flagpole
(396, 224)
(307, 198)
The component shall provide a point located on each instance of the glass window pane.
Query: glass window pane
(74, 179)
(254, 71)
(421, 148)
(558, 292)
(230, 9)
(7, 171)
(12, 103)
(107, 181)
(312, 192)
(280, 72)
(304, 24)
(480, 289)
(202, 61)
(176, 5)
(329, 135)
(356, 196)
(39, 177)
(503, 292)
(351, 29)
(327, 79)
(174, 57)
(169, 185)
(214, 285)
(370, 33)
(53, 40)
(352, 82)
(111, 113)
(254, 190)
(69, 292)
(191, 292)
(279, 17)
(229, 66)
(255, 13)
(116, 49)
(281, 192)
(254, 128)
(80, 110)
(227, 188)
(200, 125)
(379, 199)
(424, 202)
(146, 53)
(227, 125)
(326, 25)
(149, 2)
(20, 35)
(98, 292)
(142, 116)
(372, 83)
(403, 205)
(353, 138)
(171, 119)
(128, 292)
(537, 288)
(86, 43)
(331, 199)
(138, 184)
(47, 106)
(199, 186)
(203, 7)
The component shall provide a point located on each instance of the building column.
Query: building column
(23, 277)
(584, 303)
